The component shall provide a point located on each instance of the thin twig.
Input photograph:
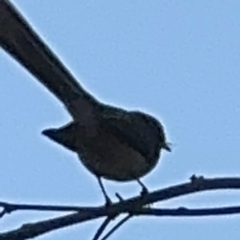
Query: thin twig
(132, 205)
(188, 212)
(102, 228)
(118, 225)
(11, 207)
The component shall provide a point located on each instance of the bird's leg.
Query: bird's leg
(107, 199)
(144, 188)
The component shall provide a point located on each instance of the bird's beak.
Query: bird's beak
(167, 147)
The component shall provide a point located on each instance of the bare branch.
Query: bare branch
(11, 207)
(102, 228)
(133, 205)
(117, 226)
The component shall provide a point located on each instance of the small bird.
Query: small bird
(111, 142)
(122, 146)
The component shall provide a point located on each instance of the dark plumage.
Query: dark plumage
(122, 149)
(112, 143)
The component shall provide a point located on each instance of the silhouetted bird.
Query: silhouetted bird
(112, 143)
(120, 146)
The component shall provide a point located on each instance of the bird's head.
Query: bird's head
(152, 133)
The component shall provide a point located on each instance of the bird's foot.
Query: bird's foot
(108, 201)
(144, 188)
(144, 191)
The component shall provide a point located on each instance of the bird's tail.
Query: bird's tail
(19, 40)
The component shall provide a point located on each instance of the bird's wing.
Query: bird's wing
(19, 40)
(125, 128)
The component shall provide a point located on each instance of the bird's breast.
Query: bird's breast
(112, 159)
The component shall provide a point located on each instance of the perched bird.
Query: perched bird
(111, 142)
(121, 146)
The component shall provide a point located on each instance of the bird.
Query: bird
(122, 146)
(111, 142)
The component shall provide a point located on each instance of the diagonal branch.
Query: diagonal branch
(117, 226)
(102, 228)
(133, 205)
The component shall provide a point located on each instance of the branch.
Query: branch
(187, 212)
(118, 225)
(102, 228)
(11, 207)
(133, 205)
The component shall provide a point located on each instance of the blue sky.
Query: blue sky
(178, 60)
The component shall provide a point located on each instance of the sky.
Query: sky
(177, 60)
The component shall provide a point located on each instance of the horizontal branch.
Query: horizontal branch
(133, 205)
(187, 212)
